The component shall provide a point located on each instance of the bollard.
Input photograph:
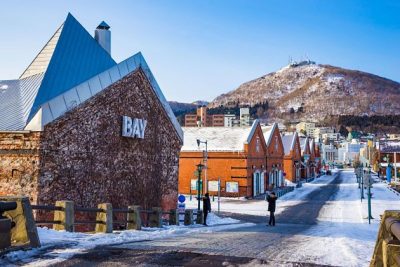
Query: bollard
(174, 217)
(104, 218)
(25, 231)
(188, 217)
(155, 219)
(199, 218)
(134, 219)
(66, 216)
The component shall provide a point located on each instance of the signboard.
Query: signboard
(193, 185)
(133, 128)
(232, 187)
(213, 186)
(181, 207)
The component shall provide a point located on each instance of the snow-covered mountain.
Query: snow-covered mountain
(316, 92)
(179, 107)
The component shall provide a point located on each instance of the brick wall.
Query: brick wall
(19, 163)
(85, 158)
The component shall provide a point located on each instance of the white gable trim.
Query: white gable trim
(68, 100)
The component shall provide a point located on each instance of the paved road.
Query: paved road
(248, 246)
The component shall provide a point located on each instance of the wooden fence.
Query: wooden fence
(134, 217)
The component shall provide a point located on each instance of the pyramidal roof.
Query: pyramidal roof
(71, 68)
(77, 57)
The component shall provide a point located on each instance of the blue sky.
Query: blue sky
(200, 49)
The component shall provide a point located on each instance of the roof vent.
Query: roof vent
(102, 35)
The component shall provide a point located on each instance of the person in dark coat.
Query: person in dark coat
(206, 207)
(271, 207)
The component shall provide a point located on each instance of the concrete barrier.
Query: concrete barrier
(188, 220)
(133, 218)
(24, 232)
(104, 218)
(66, 216)
(155, 218)
(174, 217)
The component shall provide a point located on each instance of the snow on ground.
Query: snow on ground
(342, 227)
(58, 246)
(259, 207)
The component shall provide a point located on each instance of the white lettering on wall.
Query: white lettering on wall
(133, 127)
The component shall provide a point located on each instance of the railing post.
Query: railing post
(199, 218)
(174, 217)
(155, 219)
(188, 217)
(66, 216)
(104, 217)
(134, 219)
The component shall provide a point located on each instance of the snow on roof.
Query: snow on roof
(288, 142)
(303, 142)
(218, 138)
(267, 131)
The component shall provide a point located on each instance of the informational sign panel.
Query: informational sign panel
(232, 187)
(213, 186)
(193, 185)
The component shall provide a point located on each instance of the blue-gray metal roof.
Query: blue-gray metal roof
(16, 99)
(76, 58)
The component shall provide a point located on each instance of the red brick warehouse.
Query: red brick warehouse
(236, 155)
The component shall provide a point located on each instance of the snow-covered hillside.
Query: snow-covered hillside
(321, 90)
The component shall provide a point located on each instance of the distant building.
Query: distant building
(244, 117)
(308, 127)
(230, 120)
(202, 119)
(191, 120)
(329, 153)
(320, 131)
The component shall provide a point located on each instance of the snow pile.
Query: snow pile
(58, 246)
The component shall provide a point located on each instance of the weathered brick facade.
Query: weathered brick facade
(19, 163)
(83, 157)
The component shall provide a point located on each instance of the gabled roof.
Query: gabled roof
(268, 131)
(70, 57)
(312, 146)
(76, 58)
(289, 141)
(71, 68)
(303, 143)
(230, 139)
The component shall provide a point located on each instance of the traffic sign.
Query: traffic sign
(181, 198)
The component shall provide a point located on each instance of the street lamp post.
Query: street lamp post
(205, 158)
(199, 169)
(362, 185)
(369, 195)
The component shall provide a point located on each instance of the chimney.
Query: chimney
(103, 36)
